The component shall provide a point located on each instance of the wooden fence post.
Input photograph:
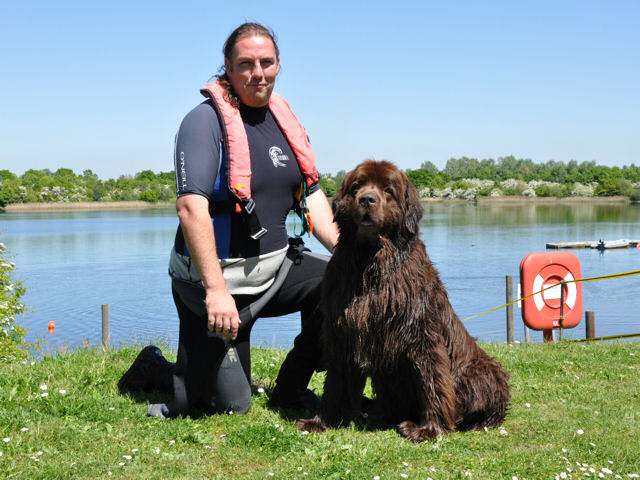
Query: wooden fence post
(509, 309)
(105, 327)
(590, 320)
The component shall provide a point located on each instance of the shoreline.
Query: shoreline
(141, 205)
(84, 206)
(520, 200)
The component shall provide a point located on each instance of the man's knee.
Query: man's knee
(232, 391)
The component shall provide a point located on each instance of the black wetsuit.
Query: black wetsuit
(198, 381)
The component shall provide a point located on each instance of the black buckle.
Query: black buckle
(256, 230)
(249, 206)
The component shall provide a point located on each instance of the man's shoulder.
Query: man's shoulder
(201, 118)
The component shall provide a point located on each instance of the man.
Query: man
(242, 162)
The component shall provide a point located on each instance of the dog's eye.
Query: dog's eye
(355, 186)
(390, 191)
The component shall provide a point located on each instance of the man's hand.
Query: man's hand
(222, 313)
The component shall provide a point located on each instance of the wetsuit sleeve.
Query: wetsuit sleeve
(314, 187)
(197, 152)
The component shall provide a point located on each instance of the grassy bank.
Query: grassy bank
(575, 413)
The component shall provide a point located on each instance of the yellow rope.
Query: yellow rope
(592, 279)
(612, 337)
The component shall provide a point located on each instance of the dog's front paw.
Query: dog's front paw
(418, 433)
(314, 424)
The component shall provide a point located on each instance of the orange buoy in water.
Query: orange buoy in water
(51, 326)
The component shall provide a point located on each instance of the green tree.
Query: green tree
(7, 175)
(12, 345)
(89, 176)
(167, 178)
(10, 191)
(429, 167)
(36, 179)
(339, 178)
(421, 178)
(607, 186)
(150, 196)
(65, 177)
(327, 185)
(464, 167)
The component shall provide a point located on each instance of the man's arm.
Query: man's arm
(324, 228)
(193, 211)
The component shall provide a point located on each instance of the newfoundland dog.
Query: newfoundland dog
(387, 316)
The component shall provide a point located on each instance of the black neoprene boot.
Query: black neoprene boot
(150, 371)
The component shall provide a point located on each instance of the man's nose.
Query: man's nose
(257, 71)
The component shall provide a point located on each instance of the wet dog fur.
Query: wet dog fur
(387, 316)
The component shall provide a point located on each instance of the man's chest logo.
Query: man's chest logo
(277, 157)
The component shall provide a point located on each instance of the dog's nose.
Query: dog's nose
(367, 199)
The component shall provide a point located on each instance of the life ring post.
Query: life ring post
(561, 310)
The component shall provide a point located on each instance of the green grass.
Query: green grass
(91, 431)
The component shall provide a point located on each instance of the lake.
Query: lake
(72, 262)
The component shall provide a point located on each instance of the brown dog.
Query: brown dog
(387, 316)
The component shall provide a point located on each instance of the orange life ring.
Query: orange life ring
(541, 270)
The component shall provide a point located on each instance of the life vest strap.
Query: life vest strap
(251, 218)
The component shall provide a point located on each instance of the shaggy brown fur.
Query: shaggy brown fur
(387, 316)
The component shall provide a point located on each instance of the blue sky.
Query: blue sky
(104, 85)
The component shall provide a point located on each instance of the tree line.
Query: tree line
(510, 176)
(64, 185)
(504, 176)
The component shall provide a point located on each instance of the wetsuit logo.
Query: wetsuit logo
(277, 157)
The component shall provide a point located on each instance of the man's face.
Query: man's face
(253, 70)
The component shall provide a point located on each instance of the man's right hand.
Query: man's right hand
(222, 313)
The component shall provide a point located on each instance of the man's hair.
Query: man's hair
(247, 29)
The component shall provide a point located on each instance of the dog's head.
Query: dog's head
(377, 200)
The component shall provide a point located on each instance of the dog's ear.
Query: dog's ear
(414, 210)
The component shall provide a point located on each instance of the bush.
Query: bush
(625, 187)
(635, 196)
(150, 196)
(12, 345)
(512, 186)
(166, 193)
(328, 185)
(543, 190)
(10, 192)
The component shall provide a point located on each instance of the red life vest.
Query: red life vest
(237, 145)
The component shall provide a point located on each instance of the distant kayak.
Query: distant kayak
(606, 244)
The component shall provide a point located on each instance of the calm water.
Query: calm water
(73, 262)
